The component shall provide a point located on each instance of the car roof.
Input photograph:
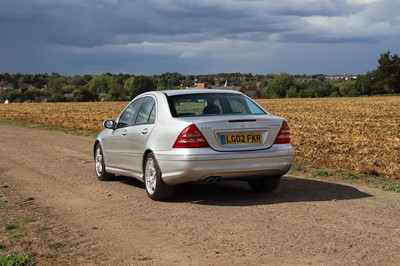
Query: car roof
(195, 91)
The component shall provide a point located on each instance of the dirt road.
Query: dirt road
(304, 222)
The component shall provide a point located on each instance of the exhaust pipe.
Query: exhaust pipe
(212, 179)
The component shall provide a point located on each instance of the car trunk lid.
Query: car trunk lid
(236, 133)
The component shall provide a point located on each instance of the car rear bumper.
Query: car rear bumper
(193, 165)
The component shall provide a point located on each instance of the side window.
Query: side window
(152, 118)
(254, 109)
(129, 114)
(147, 112)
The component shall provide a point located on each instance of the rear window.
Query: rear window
(205, 104)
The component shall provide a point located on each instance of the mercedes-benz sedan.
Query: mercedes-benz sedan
(167, 138)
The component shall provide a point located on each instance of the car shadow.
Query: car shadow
(291, 189)
(128, 181)
(238, 193)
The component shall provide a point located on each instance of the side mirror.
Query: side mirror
(110, 124)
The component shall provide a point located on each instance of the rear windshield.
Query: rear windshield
(204, 104)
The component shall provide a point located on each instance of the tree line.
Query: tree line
(385, 79)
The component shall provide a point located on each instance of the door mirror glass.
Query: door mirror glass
(109, 124)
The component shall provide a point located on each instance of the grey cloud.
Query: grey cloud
(183, 35)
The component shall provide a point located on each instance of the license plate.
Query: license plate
(241, 138)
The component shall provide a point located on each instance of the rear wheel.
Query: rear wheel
(100, 167)
(156, 188)
(264, 184)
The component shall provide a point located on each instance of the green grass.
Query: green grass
(17, 234)
(44, 228)
(297, 167)
(322, 173)
(64, 247)
(29, 220)
(4, 204)
(12, 226)
(311, 170)
(16, 259)
(391, 187)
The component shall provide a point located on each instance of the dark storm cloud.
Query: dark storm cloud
(155, 36)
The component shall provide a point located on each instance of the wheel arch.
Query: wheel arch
(144, 160)
(94, 147)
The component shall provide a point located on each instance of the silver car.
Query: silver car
(167, 138)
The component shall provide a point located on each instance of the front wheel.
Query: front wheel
(156, 188)
(264, 184)
(99, 164)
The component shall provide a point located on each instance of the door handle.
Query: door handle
(145, 131)
(124, 133)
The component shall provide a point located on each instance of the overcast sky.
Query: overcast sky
(146, 37)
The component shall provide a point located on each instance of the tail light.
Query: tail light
(284, 134)
(191, 137)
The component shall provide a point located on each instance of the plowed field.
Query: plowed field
(360, 134)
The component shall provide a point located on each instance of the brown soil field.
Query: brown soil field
(357, 134)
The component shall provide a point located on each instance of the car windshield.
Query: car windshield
(205, 104)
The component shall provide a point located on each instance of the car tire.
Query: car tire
(264, 184)
(100, 167)
(156, 188)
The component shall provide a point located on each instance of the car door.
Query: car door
(115, 143)
(137, 135)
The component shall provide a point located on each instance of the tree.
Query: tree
(68, 88)
(84, 94)
(117, 92)
(322, 89)
(389, 67)
(56, 83)
(6, 77)
(11, 95)
(348, 88)
(79, 81)
(279, 85)
(292, 92)
(100, 83)
(138, 85)
(40, 80)
(365, 83)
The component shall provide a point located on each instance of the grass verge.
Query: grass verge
(312, 170)
(72, 131)
(29, 235)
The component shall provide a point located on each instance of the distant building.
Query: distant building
(8, 87)
(69, 96)
(202, 85)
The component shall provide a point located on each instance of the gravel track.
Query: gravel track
(304, 222)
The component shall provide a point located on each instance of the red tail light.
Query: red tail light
(191, 137)
(284, 134)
